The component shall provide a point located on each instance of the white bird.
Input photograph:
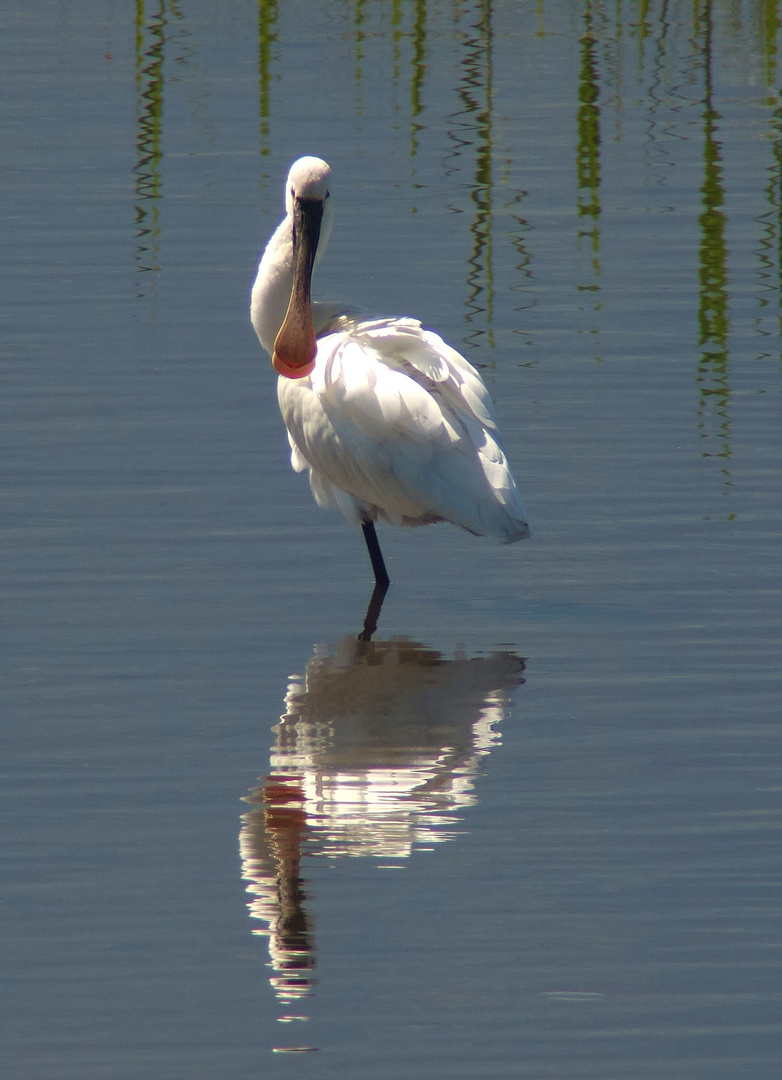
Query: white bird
(392, 423)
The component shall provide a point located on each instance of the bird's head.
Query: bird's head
(308, 206)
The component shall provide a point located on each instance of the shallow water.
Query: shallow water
(534, 829)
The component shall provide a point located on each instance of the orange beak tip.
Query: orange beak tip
(292, 371)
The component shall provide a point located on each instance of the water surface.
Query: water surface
(534, 830)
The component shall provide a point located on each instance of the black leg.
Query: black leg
(382, 580)
(373, 612)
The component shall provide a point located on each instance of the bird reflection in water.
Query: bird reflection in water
(376, 754)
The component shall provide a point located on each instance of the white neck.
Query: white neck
(273, 283)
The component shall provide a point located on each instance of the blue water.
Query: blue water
(534, 829)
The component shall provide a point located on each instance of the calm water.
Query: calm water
(533, 829)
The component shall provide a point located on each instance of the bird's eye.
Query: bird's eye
(293, 192)
(327, 194)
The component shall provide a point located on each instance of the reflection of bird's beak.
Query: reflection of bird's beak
(295, 346)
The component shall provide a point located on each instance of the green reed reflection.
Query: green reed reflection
(713, 320)
(150, 43)
(770, 32)
(588, 147)
(267, 37)
(358, 26)
(417, 73)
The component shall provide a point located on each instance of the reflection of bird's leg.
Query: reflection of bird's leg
(382, 580)
(373, 611)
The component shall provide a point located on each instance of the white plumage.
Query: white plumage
(391, 422)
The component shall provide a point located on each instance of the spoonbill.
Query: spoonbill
(392, 424)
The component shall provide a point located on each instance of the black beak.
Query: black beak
(295, 347)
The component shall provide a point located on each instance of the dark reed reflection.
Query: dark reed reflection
(376, 754)
(470, 129)
(359, 35)
(769, 249)
(771, 23)
(267, 38)
(524, 278)
(713, 319)
(660, 91)
(588, 146)
(417, 70)
(150, 47)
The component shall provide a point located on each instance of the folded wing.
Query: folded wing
(395, 424)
